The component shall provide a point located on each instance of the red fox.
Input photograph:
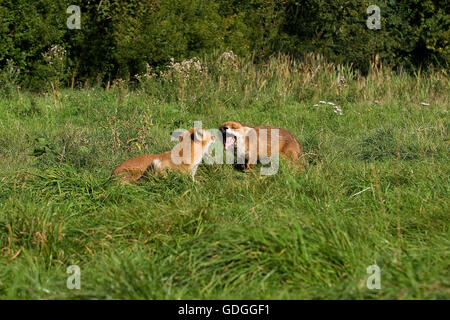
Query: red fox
(184, 157)
(252, 142)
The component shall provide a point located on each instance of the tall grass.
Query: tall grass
(375, 192)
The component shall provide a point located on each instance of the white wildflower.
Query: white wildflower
(185, 68)
(336, 109)
(228, 60)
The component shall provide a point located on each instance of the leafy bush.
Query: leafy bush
(119, 39)
(412, 32)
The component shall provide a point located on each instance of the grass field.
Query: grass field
(376, 190)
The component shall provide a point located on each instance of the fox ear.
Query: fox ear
(177, 135)
(198, 135)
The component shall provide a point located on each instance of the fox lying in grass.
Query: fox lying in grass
(184, 157)
(252, 142)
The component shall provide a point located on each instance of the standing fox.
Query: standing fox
(184, 157)
(255, 143)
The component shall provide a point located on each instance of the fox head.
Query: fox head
(231, 131)
(197, 135)
(193, 144)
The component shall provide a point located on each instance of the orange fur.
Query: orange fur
(288, 145)
(195, 140)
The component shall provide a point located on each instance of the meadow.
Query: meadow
(376, 190)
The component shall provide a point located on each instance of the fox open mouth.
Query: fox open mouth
(229, 141)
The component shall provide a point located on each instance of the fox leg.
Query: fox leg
(293, 158)
(249, 166)
(194, 171)
(130, 176)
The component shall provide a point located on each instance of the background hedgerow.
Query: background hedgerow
(375, 192)
(118, 39)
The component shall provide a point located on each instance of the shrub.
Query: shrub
(118, 39)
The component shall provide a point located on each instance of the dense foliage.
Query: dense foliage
(376, 190)
(119, 38)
